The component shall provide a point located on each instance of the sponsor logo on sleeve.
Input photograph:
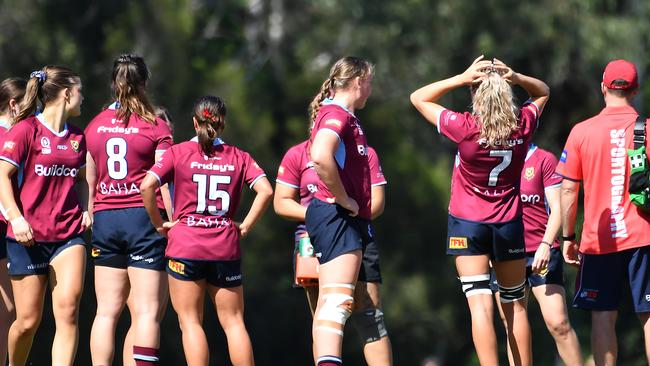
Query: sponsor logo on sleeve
(177, 267)
(45, 145)
(333, 122)
(529, 173)
(457, 242)
(9, 146)
(563, 156)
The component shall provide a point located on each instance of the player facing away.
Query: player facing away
(124, 141)
(484, 221)
(44, 244)
(540, 197)
(295, 187)
(338, 218)
(203, 251)
(12, 91)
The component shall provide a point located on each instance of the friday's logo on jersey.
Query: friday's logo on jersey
(177, 267)
(75, 145)
(45, 145)
(457, 242)
(9, 146)
(334, 122)
(529, 173)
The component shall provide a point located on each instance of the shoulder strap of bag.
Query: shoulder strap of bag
(639, 132)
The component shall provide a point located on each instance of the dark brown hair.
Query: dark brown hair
(341, 73)
(45, 85)
(210, 114)
(11, 88)
(130, 76)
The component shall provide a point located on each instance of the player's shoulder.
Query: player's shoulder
(30, 123)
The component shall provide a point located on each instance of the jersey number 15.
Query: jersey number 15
(208, 189)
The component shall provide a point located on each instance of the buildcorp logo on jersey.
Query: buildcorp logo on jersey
(55, 171)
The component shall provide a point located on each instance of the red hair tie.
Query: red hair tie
(209, 116)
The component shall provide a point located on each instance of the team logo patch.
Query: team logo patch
(45, 145)
(95, 252)
(563, 156)
(529, 173)
(457, 243)
(589, 294)
(177, 267)
(9, 146)
(75, 145)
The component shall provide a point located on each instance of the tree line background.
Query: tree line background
(267, 58)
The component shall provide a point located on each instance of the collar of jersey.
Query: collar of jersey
(114, 105)
(41, 119)
(5, 124)
(531, 149)
(218, 141)
(329, 101)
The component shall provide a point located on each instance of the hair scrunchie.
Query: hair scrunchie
(40, 75)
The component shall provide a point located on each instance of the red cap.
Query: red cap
(623, 71)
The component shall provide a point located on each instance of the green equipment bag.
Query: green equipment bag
(639, 187)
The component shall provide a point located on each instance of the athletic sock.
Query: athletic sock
(145, 356)
(329, 361)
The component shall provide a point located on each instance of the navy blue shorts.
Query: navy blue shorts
(216, 273)
(501, 241)
(600, 280)
(333, 232)
(3, 240)
(35, 260)
(126, 238)
(553, 276)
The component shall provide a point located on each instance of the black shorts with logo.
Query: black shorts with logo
(502, 241)
(216, 273)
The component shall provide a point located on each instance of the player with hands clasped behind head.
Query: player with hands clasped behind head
(44, 243)
(485, 211)
(203, 252)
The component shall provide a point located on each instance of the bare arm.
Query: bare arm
(322, 154)
(262, 199)
(378, 201)
(543, 253)
(425, 99)
(21, 228)
(569, 206)
(166, 193)
(148, 192)
(286, 203)
(536, 89)
(91, 180)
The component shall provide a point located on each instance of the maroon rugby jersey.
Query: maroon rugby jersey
(206, 196)
(50, 162)
(297, 171)
(123, 152)
(537, 176)
(351, 155)
(4, 126)
(485, 182)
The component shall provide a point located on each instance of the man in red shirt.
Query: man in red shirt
(615, 240)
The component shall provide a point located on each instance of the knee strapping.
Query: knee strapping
(336, 307)
(369, 325)
(476, 285)
(510, 294)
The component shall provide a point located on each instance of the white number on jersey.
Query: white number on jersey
(494, 173)
(116, 151)
(207, 189)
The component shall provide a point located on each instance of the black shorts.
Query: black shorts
(501, 241)
(333, 232)
(3, 240)
(554, 275)
(36, 259)
(217, 273)
(126, 238)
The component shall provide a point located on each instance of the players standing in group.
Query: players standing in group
(484, 221)
(203, 251)
(124, 141)
(338, 218)
(12, 91)
(540, 197)
(296, 184)
(44, 244)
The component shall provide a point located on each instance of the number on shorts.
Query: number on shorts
(208, 189)
(494, 173)
(117, 164)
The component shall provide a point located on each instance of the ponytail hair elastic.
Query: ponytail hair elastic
(209, 116)
(40, 75)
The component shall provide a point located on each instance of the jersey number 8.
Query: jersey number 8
(208, 189)
(116, 163)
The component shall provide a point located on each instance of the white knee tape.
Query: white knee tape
(336, 308)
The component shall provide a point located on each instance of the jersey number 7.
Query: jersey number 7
(494, 173)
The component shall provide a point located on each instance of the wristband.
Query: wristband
(547, 243)
(16, 220)
(571, 237)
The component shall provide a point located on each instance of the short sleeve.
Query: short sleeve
(252, 172)
(163, 170)
(164, 138)
(455, 126)
(16, 143)
(376, 174)
(550, 177)
(289, 170)
(333, 123)
(570, 164)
